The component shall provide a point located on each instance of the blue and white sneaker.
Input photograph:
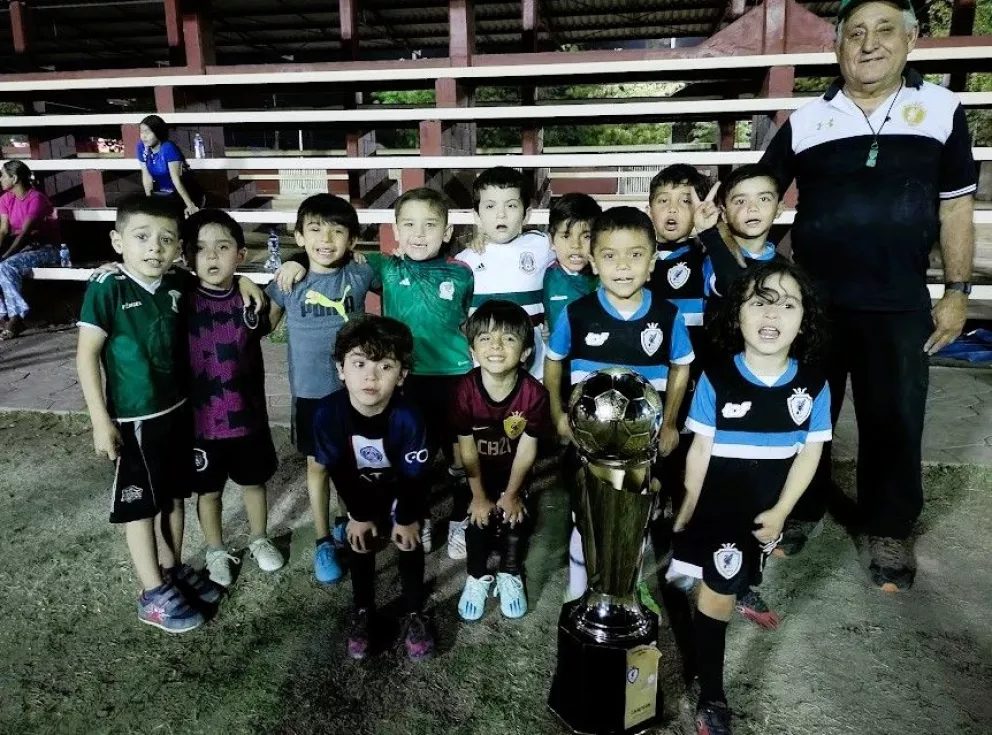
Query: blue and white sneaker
(194, 584)
(512, 598)
(326, 568)
(472, 605)
(166, 609)
(340, 533)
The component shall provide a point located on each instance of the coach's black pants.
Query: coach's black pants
(882, 352)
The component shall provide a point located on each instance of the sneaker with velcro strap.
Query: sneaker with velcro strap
(194, 584)
(166, 609)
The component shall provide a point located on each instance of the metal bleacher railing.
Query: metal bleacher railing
(384, 116)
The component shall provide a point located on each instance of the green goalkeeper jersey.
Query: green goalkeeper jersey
(432, 297)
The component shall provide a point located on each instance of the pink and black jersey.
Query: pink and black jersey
(498, 426)
(228, 375)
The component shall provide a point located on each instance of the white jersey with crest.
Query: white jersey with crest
(514, 272)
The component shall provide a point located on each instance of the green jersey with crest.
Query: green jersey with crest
(144, 359)
(432, 297)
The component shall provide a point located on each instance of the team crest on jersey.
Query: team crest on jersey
(527, 264)
(678, 276)
(514, 424)
(651, 339)
(735, 410)
(131, 494)
(175, 296)
(728, 560)
(369, 453)
(914, 114)
(800, 405)
(251, 318)
(446, 290)
(200, 461)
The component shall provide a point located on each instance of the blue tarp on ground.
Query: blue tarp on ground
(975, 346)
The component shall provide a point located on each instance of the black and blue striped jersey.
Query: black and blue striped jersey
(757, 430)
(594, 335)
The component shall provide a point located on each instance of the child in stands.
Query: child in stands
(373, 442)
(500, 413)
(761, 415)
(227, 391)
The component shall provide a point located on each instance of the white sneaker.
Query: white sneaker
(427, 535)
(456, 540)
(219, 564)
(265, 554)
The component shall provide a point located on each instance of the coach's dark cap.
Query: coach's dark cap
(848, 6)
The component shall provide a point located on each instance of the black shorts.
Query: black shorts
(432, 395)
(302, 424)
(246, 460)
(155, 466)
(728, 565)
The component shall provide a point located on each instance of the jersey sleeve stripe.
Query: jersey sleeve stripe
(685, 359)
(971, 188)
(815, 437)
(87, 325)
(698, 428)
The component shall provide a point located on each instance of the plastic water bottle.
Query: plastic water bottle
(64, 260)
(199, 149)
(274, 259)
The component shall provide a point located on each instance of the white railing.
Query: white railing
(431, 70)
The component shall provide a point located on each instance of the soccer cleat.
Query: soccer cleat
(166, 609)
(892, 567)
(427, 535)
(472, 604)
(794, 537)
(358, 634)
(340, 533)
(266, 555)
(194, 584)
(456, 540)
(326, 568)
(713, 718)
(417, 637)
(512, 598)
(219, 564)
(754, 608)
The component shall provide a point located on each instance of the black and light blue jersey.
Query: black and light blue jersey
(757, 429)
(378, 463)
(594, 335)
(749, 419)
(682, 277)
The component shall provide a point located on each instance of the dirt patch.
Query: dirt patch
(75, 660)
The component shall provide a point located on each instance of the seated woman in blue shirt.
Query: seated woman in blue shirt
(163, 164)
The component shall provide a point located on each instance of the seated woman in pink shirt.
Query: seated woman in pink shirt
(28, 236)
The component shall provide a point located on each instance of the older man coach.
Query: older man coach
(884, 169)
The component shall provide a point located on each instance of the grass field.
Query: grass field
(74, 659)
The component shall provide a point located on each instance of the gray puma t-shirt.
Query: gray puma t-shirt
(316, 310)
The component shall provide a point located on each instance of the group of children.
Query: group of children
(474, 358)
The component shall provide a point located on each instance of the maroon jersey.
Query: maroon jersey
(498, 426)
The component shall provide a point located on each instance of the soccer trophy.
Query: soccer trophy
(606, 679)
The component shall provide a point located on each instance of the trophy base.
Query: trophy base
(606, 688)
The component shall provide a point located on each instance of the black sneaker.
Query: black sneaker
(713, 718)
(753, 607)
(417, 637)
(795, 534)
(358, 634)
(892, 567)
